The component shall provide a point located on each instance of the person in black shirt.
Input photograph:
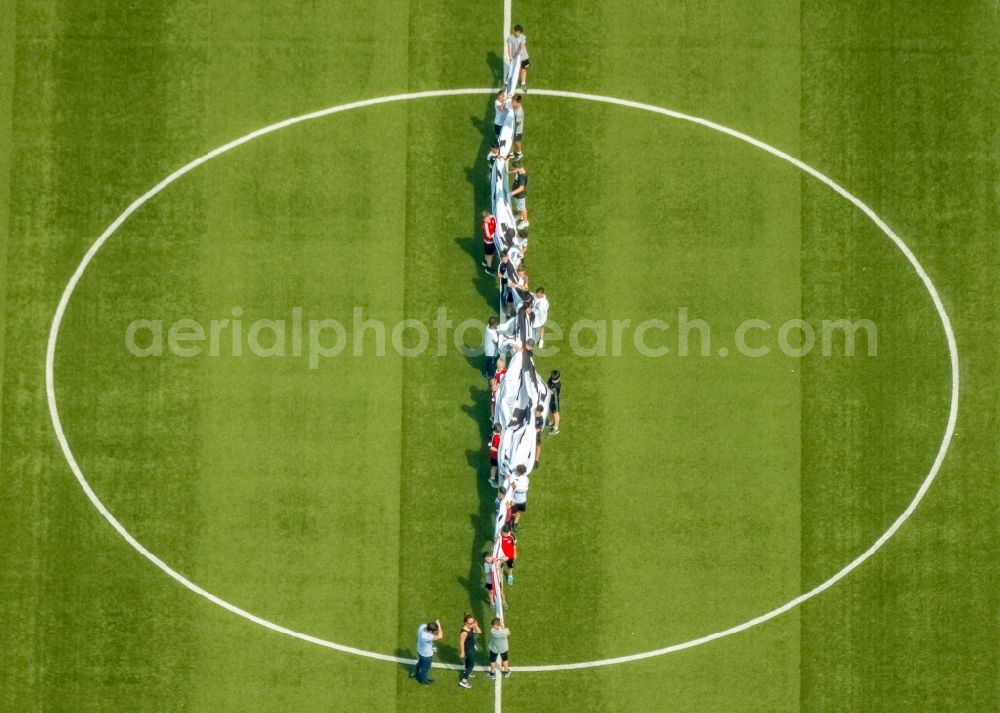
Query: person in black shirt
(467, 646)
(539, 425)
(519, 191)
(506, 271)
(555, 386)
(491, 158)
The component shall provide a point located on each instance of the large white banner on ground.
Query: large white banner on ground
(506, 222)
(513, 70)
(521, 390)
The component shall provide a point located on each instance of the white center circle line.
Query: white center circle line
(141, 200)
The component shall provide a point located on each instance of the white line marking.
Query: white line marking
(135, 205)
(506, 22)
(497, 692)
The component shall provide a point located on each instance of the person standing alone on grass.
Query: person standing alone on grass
(489, 247)
(467, 645)
(427, 634)
(517, 47)
(519, 192)
(555, 386)
(518, 110)
(499, 648)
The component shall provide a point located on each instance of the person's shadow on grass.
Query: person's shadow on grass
(495, 63)
(486, 285)
(406, 654)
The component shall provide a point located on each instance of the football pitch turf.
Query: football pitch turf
(345, 496)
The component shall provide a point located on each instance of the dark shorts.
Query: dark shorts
(518, 137)
(489, 586)
(505, 656)
(554, 404)
(510, 563)
(520, 507)
(525, 63)
(493, 460)
(497, 128)
(489, 248)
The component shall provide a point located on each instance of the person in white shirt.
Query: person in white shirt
(540, 315)
(521, 241)
(491, 571)
(501, 107)
(491, 347)
(516, 257)
(519, 486)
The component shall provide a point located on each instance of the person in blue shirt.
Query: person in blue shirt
(427, 634)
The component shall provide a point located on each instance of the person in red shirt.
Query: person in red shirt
(494, 446)
(508, 545)
(489, 247)
(495, 383)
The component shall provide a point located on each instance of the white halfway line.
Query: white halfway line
(141, 200)
(506, 22)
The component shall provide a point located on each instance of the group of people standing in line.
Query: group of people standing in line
(512, 276)
(430, 633)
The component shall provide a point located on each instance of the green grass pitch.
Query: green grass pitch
(685, 495)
